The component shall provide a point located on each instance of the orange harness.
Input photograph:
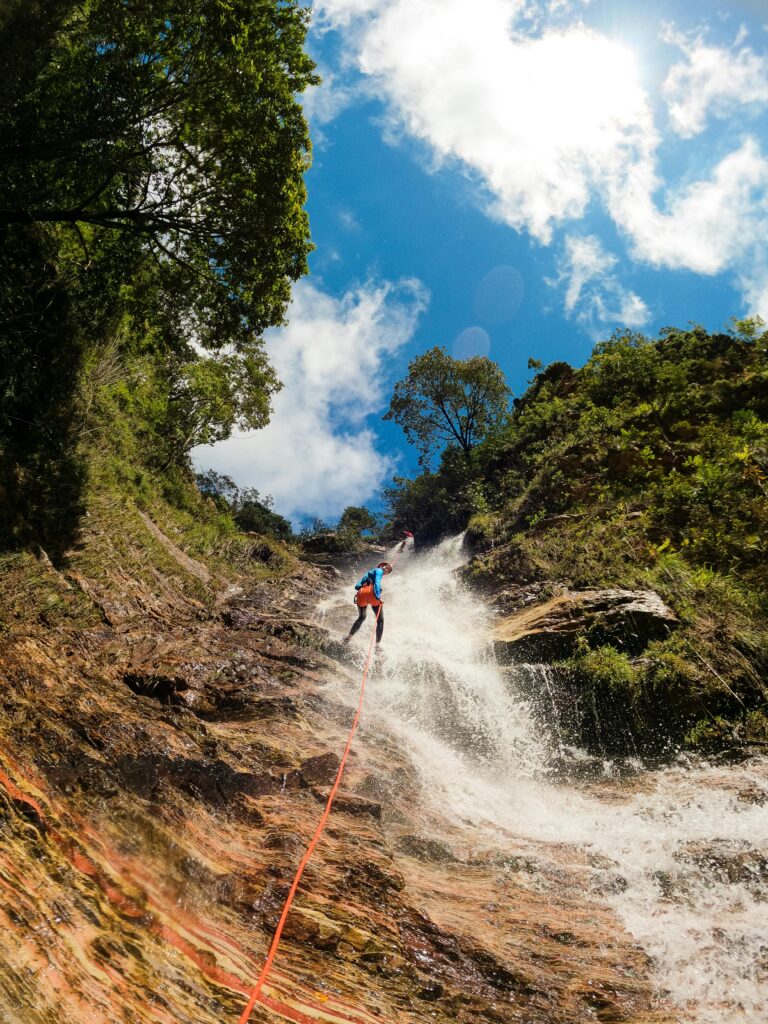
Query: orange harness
(366, 596)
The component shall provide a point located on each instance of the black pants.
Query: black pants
(361, 613)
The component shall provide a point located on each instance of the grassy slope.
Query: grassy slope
(119, 568)
(647, 469)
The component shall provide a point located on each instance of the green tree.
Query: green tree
(433, 505)
(315, 527)
(40, 353)
(151, 208)
(175, 127)
(252, 512)
(444, 401)
(219, 487)
(257, 515)
(354, 520)
(208, 398)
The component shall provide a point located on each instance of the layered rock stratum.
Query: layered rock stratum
(162, 772)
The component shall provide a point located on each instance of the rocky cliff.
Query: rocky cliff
(165, 748)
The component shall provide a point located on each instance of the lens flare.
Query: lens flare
(474, 341)
(499, 295)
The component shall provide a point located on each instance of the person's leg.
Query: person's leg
(361, 613)
(380, 624)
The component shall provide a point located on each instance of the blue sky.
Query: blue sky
(513, 178)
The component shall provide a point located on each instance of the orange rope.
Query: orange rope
(312, 843)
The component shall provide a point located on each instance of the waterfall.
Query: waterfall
(687, 852)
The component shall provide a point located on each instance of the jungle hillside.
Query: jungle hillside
(645, 468)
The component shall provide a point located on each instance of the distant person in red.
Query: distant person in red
(368, 589)
(407, 535)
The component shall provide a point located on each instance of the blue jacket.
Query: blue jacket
(374, 576)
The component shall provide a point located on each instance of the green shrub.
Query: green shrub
(667, 675)
(709, 735)
(607, 669)
(756, 726)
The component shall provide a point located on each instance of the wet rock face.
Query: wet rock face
(426, 849)
(157, 790)
(728, 863)
(540, 631)
(320, 770)
(164, 688)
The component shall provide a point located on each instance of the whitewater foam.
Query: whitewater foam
(690, 854)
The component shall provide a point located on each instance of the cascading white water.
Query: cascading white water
(688, 855)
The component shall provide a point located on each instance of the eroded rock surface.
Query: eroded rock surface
(161, 775)
(540, 630)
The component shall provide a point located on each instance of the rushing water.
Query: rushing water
(686, 857)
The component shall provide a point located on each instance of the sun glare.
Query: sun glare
(592, 86)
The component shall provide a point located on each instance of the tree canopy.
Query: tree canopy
(354, 520)
(152, 218)
(250, 511)
(675, 430)
(175, 126)
(445, 401)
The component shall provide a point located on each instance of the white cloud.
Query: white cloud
(712, 81)
(709, 226)
(593, 292)
(348, 220)
(555, 7)
(341, 13)
(317, 456)
(552, 119)
(753, 281)
(585, 260)
(532, 115)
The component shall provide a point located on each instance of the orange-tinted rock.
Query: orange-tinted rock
(320, 770)
(148, 846)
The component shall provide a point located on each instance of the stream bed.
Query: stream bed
(679, 854)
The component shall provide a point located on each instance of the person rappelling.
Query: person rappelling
(406, 535)
(368, 592)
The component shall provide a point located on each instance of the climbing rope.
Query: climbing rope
(315, 838)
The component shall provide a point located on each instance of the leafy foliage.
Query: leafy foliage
(40, 355)
(179, 130)
(249, 510)
(444, 401)
(208, 398)
(675, 429)
(355, 520)
(667, 438)
(151, 224)
(434, 505)
(346, 536)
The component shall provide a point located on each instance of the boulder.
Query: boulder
(425, 849)
(320, 770)
(629, 619)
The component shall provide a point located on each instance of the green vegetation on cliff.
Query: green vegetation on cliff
(647, 467)
(151, 224)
